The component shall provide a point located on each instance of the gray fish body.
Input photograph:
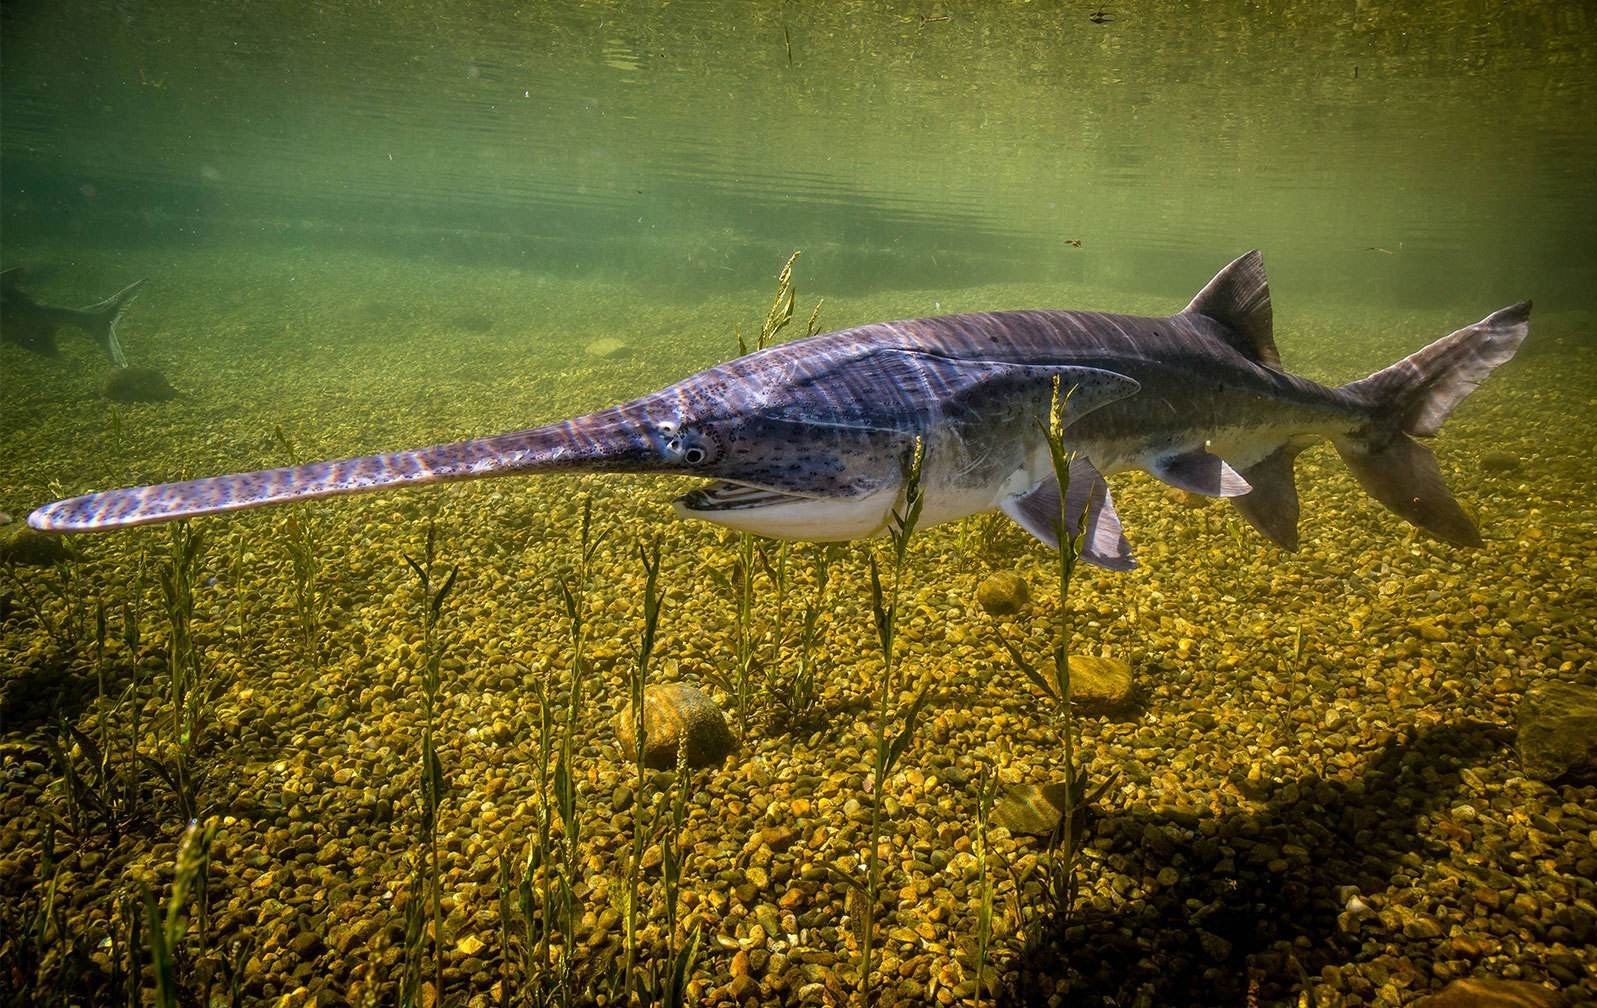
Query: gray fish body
(820, 418)
(811, 439)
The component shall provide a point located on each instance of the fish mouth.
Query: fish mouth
(728, 497)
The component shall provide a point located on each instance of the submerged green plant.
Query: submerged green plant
(743, 683)
(753, 552)
(1060, 875)
(637, 681)
(542, 893)
(799, 692)
(184, 669)
(573, 592)
(53, 597)
(34, 925)
(301, 540)
(433, 783)
(101, 801)
(986, 792)
(667, 976)
(546, 882)
(888, 748)
(166, 930)
(189, 693)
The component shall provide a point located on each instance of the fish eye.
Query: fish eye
(694, 455)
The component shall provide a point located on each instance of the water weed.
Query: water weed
(637, 681)
(1060, 881)
(888, 747)
(167, 927)
(433, 592)
(798, 691)
(301, 539)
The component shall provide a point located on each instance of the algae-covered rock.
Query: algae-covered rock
(608, 348)
(674, 713)
(1003, 594)
(1099, 684)
(1036, 809)
(138, 384)
(1030, 809)
(1499, 462)
(26, 548)
(1558, 731)
(1490, 992)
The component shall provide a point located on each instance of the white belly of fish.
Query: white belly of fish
(807, 519)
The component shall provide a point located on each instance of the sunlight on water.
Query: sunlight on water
(974, 143)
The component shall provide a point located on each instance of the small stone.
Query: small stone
(1488, 992)
(1499, 462)
(676, 714)
(621, 797)
(1003, 594)
(1188, 499)
(306, 944)
(743, 987)
(1421, 928)
(1216, 948)
(1558, 731)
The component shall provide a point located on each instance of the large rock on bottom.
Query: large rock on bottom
(138, 385)
(1558, 731)
(1489, 992)
(1098, 685)
(1003, 594)
(676, 714)
(27, 548)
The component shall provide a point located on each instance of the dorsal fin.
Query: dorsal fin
(1239, 298)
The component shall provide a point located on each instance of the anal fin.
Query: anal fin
(1104, 544)
(1272, 505)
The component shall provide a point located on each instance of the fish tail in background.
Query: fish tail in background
(105, 315)
(1412, 398)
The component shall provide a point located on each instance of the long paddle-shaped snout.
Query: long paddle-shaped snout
(619, 439)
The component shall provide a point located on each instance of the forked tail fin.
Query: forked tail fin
(104, 317)
(1412, 398)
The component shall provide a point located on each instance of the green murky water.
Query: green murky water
(382, 226)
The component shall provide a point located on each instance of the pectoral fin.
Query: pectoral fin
(1197, 471)
(1104, 544)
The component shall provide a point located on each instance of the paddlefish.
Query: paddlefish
(808, 440)
(32, 325)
